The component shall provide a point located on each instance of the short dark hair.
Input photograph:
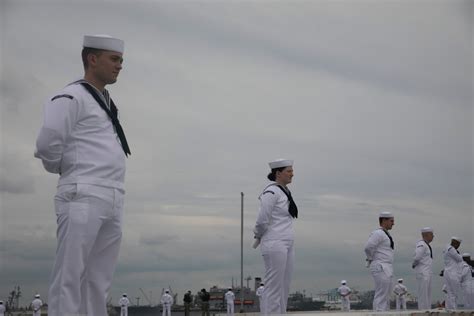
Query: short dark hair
(272, 175)
(86, 51)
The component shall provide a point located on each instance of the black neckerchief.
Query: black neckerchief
(112, 113)
(431, 250)
(392, 245)
(292, 209)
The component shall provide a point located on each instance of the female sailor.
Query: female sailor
(274, 231)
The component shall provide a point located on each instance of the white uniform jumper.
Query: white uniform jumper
(380, 253)
(344, 291)
(423, 265)
(259, 293)
(229, 299)
(123, 303)
(79, 142)
(274, 228)
(452, 276)
(166, 301)
(400, 291)
(467, 286)
(2, 310)
(36, 306)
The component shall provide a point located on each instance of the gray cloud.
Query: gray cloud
(157, 240)
(15, 177)
(15, 187)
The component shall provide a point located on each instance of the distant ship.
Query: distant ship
(300, 302)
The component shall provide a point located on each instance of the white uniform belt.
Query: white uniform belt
(92, 180)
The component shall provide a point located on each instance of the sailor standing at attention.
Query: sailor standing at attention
(36, 305)
(124, 302)
(229, 299)
(345, 293)
(167, 301)
(423, 265)
(274, 230)
(452, 273)
(2, 309)
(400, 291)
(83, 142)
(259, 293)
(379, 251)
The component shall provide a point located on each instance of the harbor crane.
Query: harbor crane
(146, 297)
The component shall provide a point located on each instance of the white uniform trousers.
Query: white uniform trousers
(383, 287)
(278, 256)
(467, 289)
(166, 309)
(423, 281)
(37, 313)
(453, 288)
(89, 233)
(230, 309)
(123, 311)
(260, 299)
(262, 305)
(345, 303)
(400, 302)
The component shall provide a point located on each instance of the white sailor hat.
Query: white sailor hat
(466, 254)
(37, 296)
(456, 238)
(280, 163)
(166, 291)
(1, 302)
(400, 280)
(343, 282)
(427, 230)
(385, 214)
(261, 283)
(105, 42)
(124, 294)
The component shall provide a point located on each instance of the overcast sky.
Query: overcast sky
(372, 99)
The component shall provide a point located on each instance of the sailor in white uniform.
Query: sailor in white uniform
(83, 142)
(123, 303)
(379, 251)
(423, 265)
(400, 291)
(274, 230)
(345, 293)
(2, 309)
(167, 301)
(229, 297)
(452, 272)
(467, 282)
(36, 305)
(259, 294)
